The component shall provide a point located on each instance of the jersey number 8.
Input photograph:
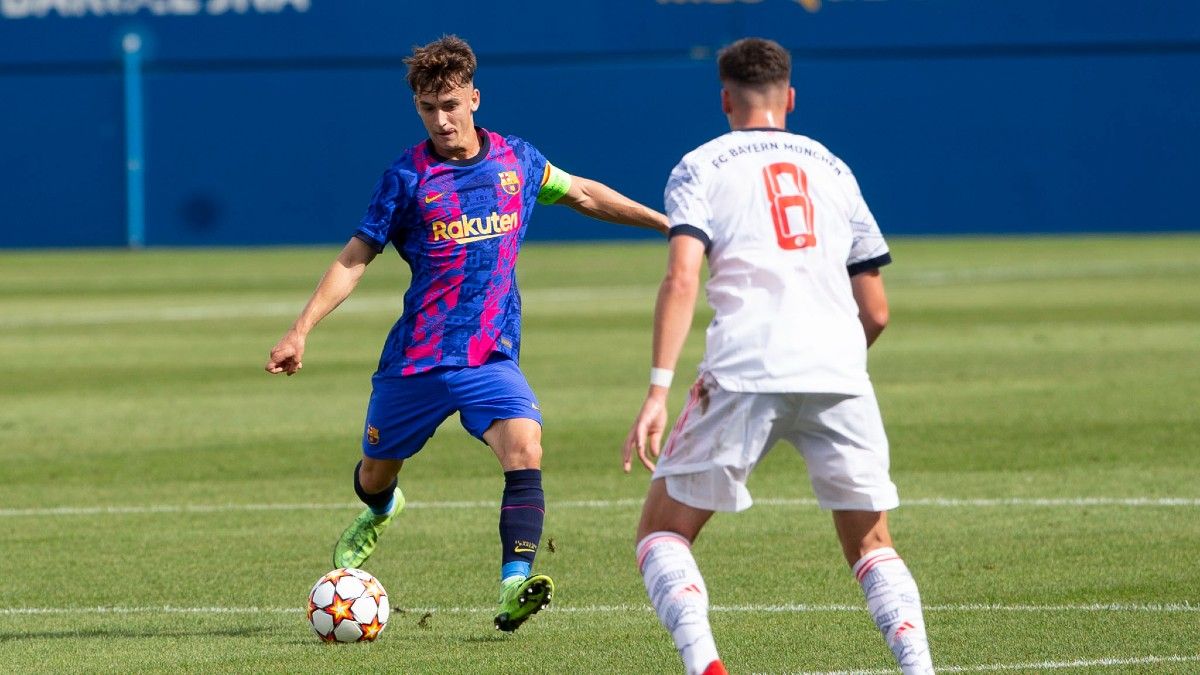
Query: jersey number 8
(791, 207)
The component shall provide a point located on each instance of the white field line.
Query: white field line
(1119, 607)
(1032, 667)
(574, 300)
(590, 298)
(937, 502)
(603, 609)
(935, 277)
(72, 316)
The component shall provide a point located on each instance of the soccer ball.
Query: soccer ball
(348, 605)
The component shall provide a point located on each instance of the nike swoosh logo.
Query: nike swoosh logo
(429, 199)
(522, 549)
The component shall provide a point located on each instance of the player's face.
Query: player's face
(449, 117)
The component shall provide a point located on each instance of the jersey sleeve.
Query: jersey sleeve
(688, 211)
(868, 250)
(376, 227)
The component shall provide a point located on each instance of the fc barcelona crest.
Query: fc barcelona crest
(510, 182)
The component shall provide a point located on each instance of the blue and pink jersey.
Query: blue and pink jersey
(458, 224)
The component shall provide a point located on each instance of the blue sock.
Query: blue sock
(517, 569)
(522, 511)
(380, 503)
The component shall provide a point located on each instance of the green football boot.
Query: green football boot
(357, 543)
(520, 600)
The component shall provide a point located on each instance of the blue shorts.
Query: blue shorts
(405, 411)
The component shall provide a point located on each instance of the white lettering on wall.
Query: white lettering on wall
(259, 6)
(37, 9)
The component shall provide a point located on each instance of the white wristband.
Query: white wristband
(661, 377)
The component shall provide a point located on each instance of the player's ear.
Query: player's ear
(791, 107)
(475, 100)
(725, 106)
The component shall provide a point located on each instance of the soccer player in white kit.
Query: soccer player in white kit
(794, 256)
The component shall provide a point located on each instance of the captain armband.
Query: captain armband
(555, 184)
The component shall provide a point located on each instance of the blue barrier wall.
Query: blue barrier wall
(268, 121)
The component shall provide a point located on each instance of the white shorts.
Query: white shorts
(721, 435)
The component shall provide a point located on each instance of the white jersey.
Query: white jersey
(784, 226)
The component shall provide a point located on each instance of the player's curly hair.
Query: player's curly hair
(754, 62)
(441, 64)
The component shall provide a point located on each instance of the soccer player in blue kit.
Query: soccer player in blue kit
(456, 208)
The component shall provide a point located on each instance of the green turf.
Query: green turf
(1044, 368)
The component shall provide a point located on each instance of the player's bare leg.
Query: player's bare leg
(376, 485)
(891, 592)
(517, 443)
(673, 581)
(376, 475)
(861, 532)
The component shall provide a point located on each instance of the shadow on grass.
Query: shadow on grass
(128, 632)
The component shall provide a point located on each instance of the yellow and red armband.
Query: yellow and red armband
(555, 184)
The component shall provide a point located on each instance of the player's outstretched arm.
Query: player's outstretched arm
(872, 302)
(672, 320)
(335, 286)
(599, 201)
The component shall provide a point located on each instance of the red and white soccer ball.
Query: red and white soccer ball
(348, 605)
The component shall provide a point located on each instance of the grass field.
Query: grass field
(165, 505)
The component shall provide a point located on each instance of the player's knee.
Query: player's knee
(375, 478)
(524, 455)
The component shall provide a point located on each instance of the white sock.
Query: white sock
(679, 597)
(895, 604)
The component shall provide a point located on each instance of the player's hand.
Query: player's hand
(646, 434)
(286, 356)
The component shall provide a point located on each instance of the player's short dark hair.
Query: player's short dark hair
(440, 65)
(754, 62)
